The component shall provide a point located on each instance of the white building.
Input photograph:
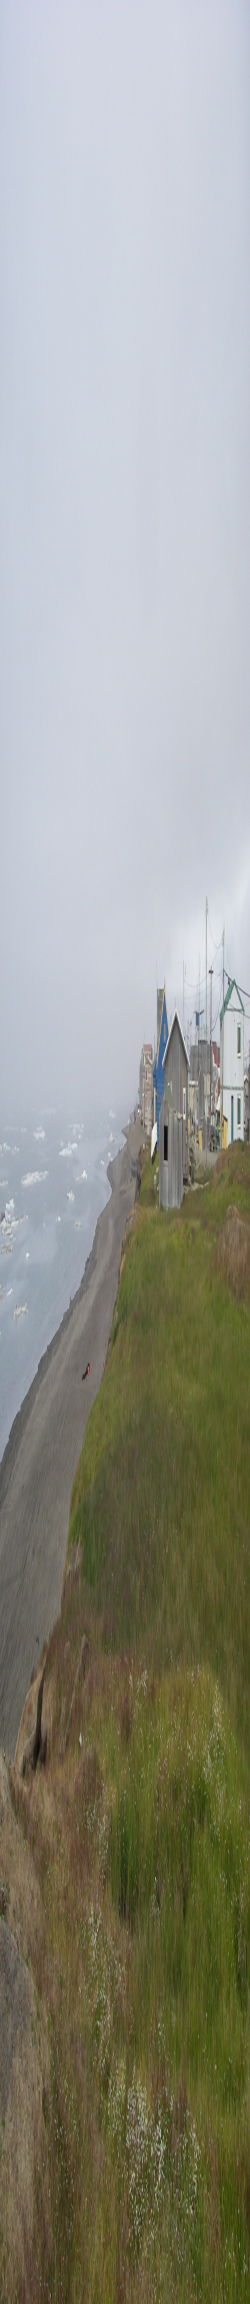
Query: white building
(232, 1064)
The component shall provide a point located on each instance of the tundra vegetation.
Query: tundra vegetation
(137, 1827)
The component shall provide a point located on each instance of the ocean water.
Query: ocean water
(53, 1185)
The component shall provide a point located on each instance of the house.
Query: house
(175, 1071)
(162, 1037)
(247, 1104)
(146, 1086)
(232, 1063)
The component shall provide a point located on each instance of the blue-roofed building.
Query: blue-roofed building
(158, 1074)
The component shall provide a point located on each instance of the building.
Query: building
(232, 1063)
(158, 1077)
(199, 1083)
(145, 1095)
(175, 1071)
(247, 1104)
(170, 1155)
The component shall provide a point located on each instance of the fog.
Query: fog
(125, 526)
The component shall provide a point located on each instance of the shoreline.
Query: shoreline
(41, 1454)
(17, 1428)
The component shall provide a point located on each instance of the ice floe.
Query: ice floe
(35, 1176)
(9, 1224)
(82, 1179)
(18, 1309)
(66, 1151)
(78, 1224)
(70, 1195)
(37, 1133)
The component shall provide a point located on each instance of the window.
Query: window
(238, 1111)
(238, 1039)
(184, 1103)
(165, 1142)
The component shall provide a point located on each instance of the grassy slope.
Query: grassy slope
(162, 1491)
(140, 1830)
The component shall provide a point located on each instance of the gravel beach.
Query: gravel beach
(40, 1460)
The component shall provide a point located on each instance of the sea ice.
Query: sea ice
(35, 1176)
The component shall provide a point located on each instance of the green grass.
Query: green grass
(140, 1826)
(162, 1493)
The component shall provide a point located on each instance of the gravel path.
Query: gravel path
(40, 1460)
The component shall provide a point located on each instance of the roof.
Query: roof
(233, 987)
(161, 996)
(175, 1020)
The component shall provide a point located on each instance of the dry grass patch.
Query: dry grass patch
(232, 1257)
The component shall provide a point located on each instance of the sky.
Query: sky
(125, 529)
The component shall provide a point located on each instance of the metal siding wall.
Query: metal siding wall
(163, 1164)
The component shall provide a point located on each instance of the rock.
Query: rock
(4, 1898)
(31, 1744)
(36, 1747)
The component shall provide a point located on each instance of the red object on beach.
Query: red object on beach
(86, 1372)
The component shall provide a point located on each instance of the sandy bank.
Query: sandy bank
(39, 1462)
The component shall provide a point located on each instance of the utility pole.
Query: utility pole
(211, 974)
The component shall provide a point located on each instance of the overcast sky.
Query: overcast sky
(125, 526)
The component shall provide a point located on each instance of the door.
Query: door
(232, 1119)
